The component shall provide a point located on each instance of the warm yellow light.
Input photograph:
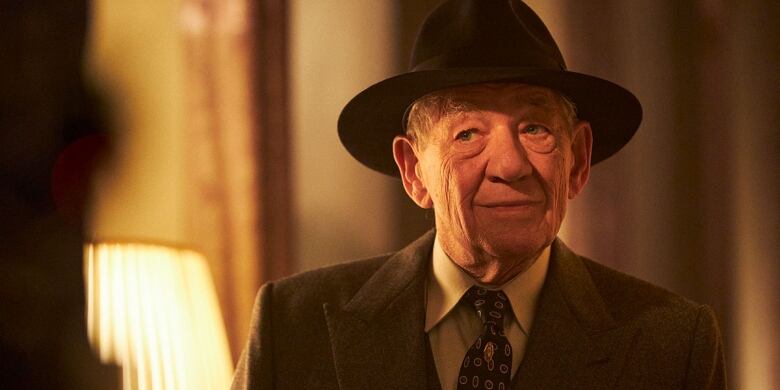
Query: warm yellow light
(153, 310)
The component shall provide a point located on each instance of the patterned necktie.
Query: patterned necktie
(488, 363)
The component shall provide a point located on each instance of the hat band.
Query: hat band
(470, 58)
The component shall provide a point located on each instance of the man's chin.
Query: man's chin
(512, 248)
(514, 260)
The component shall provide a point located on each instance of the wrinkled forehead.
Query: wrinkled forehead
(503, 96)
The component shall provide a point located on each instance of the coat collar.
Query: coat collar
(378, 337)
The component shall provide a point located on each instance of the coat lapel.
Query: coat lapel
(575, 342)
(378, 337)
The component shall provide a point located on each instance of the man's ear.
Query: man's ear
(406, 159)
(581, 147)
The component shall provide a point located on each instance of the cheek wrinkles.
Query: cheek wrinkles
(453, 196)
(557, 185)
(449, 192)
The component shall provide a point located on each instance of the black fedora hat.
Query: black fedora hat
(466, 42)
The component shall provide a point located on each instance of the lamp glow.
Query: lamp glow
(153, 310)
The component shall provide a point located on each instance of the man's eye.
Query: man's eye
(465, 135)
(538, 138)
(535, 129)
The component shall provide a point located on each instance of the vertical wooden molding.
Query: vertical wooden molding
(270, 84)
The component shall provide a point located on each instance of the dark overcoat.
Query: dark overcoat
(360, 325)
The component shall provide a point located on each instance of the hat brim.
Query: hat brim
(370, 121)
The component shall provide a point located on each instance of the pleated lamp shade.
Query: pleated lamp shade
(153, 310)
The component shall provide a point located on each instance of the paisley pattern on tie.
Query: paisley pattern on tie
(488, 363)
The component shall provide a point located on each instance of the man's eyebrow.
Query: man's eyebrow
(457, 109)
(463, 113)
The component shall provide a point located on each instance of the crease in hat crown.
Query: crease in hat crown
(466, 42)
(463, 27)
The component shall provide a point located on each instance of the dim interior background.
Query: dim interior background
(211, 125)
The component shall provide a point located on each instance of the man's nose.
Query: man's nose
(508, 160)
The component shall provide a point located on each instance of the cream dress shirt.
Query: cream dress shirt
(453, 327)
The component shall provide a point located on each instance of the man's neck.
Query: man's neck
(492, 271)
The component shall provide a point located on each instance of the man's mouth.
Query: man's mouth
(509, 203)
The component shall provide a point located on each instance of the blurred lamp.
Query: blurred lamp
(153, 310)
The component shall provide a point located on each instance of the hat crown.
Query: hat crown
(485, 33)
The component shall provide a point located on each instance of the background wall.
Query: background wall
(337, 48)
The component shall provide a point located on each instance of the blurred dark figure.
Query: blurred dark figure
(50, 141)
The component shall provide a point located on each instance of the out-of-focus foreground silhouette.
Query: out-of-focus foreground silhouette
(50, 137)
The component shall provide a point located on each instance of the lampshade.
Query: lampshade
(153, 310)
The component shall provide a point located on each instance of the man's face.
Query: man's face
(498, 173)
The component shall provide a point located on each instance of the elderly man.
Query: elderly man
(492, 132)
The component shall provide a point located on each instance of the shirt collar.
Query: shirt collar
(447, 283)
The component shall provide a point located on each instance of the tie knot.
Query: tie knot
(489, 304)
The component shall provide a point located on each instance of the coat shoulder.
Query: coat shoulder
(336, 283)
(631, 298)
(679, 344)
